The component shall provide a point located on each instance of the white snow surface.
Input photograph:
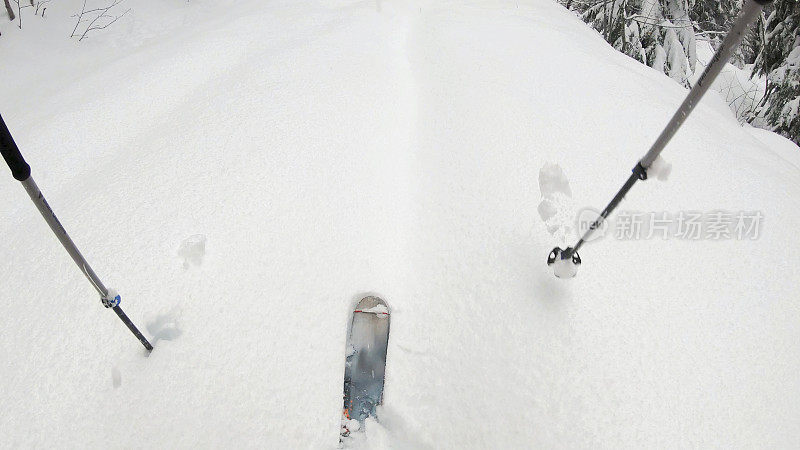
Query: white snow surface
(329, 149)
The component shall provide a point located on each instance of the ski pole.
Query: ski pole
(22, 173)
(566, 261)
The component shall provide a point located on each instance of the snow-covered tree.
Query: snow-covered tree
(658, 33)
(714, 18)
(753, 41)
(712, 21)
(779, 60)
(675, 53)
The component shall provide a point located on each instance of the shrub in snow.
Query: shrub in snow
(98, 18)
(737, 86)
(36, 5)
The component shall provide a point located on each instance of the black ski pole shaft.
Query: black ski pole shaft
(749, 13)
(22, 173)
(124, 318)
(638, 173)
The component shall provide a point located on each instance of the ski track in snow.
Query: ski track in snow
(333, 151)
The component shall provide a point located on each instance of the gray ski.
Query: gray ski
(366, 362)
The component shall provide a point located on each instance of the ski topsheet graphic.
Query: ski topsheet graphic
(366, 362)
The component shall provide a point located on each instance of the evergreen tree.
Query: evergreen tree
(658, 33)
(779, 60)
(716, 16)
(753, 42)
(713, 20)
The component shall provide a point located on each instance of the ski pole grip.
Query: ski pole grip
(19, 168)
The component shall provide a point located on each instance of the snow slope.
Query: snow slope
(325, 150)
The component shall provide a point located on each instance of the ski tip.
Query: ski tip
(372, 304)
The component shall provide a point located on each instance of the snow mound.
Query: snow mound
(556, 209)
(659, 169)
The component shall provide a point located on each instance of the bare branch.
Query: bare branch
(653, 22)
(103, 15)
(80, 18)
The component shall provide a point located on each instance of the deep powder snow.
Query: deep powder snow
(242, 173)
